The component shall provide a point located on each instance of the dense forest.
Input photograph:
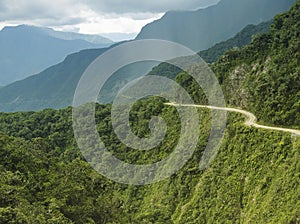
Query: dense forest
(46, 180)
(264, 76)
(254, 178)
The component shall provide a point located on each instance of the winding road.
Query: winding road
(251, 119)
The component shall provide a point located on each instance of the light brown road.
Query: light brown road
(251, 119)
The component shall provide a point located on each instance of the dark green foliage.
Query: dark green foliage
(264, 77)
(165, 69)
(254, 177)
(37, 187)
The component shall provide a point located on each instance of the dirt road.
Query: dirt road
(251, 119)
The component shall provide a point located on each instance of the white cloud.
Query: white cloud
(91, 16)
(159, 6)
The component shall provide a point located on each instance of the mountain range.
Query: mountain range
(55, 87)
(27, 50)
(203, 28)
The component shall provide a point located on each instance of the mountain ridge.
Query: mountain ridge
(203, 28)
(65, 35)
(27, 50)
(29, 98)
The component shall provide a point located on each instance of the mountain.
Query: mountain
(264, 77)
(203, 28)
(27, 50)
(95, 39)
(56, 85)
(241, 39)
(212, 54)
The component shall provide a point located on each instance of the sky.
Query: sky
(116, 19)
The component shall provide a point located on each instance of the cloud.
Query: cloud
(38, 9)
(138, 6)
(92, 16)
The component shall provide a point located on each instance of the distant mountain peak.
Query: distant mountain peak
(92, 38)
(27, 49)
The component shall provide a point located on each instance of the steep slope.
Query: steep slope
(27, 50)
(264, 77)
(203, 28)
(254, 178)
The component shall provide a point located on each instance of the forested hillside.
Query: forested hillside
(253, 179)
(264, 77)
(44, 178)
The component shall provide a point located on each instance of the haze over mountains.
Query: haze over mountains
(55, 87)
(203, 28)
(27, 50)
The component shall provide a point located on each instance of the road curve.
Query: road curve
(251, 119)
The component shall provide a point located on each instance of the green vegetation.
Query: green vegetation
(253, 179)
(264, 76)
(46, 180)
